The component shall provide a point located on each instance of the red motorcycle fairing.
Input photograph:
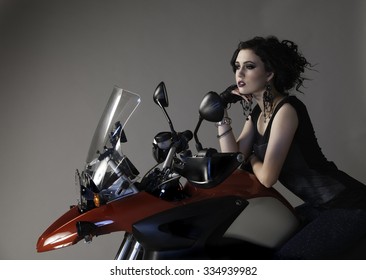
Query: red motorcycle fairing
(118, 215)
(121, 214)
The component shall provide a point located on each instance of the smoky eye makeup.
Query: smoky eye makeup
(248, 65)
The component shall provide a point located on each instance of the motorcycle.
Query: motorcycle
(187, 206)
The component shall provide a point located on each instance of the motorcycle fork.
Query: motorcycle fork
(130, 248)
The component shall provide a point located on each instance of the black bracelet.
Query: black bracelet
(226, 132)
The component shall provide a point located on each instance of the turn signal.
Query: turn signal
(96, 200)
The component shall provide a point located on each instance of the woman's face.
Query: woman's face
(251, 76)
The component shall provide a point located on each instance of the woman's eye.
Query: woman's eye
(250, 66)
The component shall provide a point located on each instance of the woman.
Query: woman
(279, 143)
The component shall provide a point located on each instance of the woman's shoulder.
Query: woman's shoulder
(297, 104)
(286, 112)
(294, 101)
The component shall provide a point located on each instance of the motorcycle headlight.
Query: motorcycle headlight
(161, 145)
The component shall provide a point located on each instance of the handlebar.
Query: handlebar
(182, 140)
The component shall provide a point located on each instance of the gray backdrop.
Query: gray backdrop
(59, 61)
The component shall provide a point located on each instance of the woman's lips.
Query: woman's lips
(241, 84)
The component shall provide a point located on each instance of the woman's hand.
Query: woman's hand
(230, 95)
(235, 90)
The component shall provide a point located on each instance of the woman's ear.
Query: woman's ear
(270, 76)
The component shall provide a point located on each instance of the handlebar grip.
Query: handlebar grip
(183, 139)
(188, 135)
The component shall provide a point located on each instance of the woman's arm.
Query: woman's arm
(282, 133)
(244, 143)
(246, 138)
(226, 137)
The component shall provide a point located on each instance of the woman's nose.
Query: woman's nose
(240, 72)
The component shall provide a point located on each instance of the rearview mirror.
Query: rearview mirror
(212, 108)
(160, 95)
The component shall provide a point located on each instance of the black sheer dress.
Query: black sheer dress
(334, 209)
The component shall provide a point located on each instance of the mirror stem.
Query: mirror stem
(168, 119)
(198, 144)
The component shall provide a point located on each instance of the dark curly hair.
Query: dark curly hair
(280, 57)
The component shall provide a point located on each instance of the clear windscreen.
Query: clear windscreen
(108, 137)
(120, 107)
